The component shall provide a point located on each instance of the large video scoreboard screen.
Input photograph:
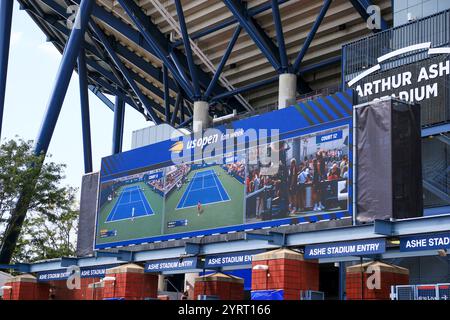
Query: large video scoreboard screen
(280, 168)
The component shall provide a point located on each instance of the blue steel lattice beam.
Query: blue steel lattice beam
(84, 103)
(265, 82)
(228, 22)
(6, 8)
(63, 77)
(152, 36)
(177, 107)
(166, 93)
(311, 35)
(280, 36)
(153, 32)
(361, 6)
(240, 13)
(120, 49)
(43, 139)
(49, 24)
(223, 61)
(101, 96)
(119, 114)
(125, 72)
(188, 49)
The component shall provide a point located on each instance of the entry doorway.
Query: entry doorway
(329, 280)
(175, 284)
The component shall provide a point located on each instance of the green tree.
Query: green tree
(47, 228)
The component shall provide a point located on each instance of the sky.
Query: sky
(33, 64)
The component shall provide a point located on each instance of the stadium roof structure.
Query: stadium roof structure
(159, 56)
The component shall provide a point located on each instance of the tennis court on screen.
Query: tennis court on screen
(205, 187)
(131, 204)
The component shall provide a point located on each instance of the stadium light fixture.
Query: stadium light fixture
(261, 267)
(109, 279)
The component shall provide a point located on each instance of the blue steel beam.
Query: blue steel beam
(239, 12)
(84, 103)
(432, 224)
(43, 139)
(176, 108)
(268, 81)
(63, 77)
(116, 92)
(121, 50)
(119, 114)
(152, 36)
(95, 90)
(136, 37)
(166, 93)
(125, 72)
(361, 6)
(188, 50)
(249, 87)
(280, 36)
(311, 35)
(6, 8)
(112, 77)
(101, 96)
(183, 110)
(228, 22)
(185, 123)
(223, 61)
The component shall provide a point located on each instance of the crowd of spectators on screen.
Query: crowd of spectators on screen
(236, 170)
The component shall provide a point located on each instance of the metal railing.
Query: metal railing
(440, 291)
(362, 54)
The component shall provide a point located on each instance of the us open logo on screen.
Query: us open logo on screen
(177, 147)
(410, 85)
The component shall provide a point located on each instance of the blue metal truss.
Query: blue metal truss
(51, 26)
(280, 36)
(265, 82)
(178, 102)
(125, 72)
(6, 8)
(229, 22)
(85, 120)
(240, 13)
(166, 93)
(119, 48)
(95, 90)
(188, 49)
(155, 39)
(74, 44)
(119, 114)
(404, 227)
(223, 61)
(311, 35)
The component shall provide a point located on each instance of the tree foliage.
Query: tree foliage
(50, 225)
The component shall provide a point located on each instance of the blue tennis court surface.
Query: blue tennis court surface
(205, 187)
(131, 204)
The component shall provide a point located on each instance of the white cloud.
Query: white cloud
(49, 49)
(16, 38)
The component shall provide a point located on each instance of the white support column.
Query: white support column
(287, 88)
(162, 284)
(201, 120)
(189, 282)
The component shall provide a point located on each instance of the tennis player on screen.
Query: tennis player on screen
(199, 208)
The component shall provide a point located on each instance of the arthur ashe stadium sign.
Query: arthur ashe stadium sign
(414, 84)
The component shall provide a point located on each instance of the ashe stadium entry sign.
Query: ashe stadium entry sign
(289, 166)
